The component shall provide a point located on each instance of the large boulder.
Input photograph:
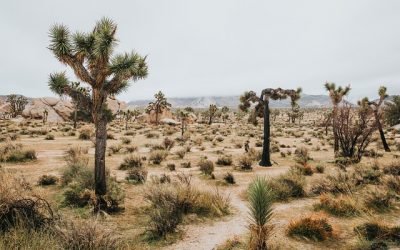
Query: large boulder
(169, 121)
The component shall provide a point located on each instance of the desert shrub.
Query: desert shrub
(171, 166)
(77, 155)
(86, 133)
(110, 136)
(85, 235)
(131, 149)
(245, 163)
(320, 168)
(186, 164)
(393, 168)
(46, 180)
(224, 160)
(21, 237)
(136, 175)
(169, 202)
(311, 227)
(229, 178)
(255, 155)
(126, 140)
(12, 152)
(379, 200)
(181, 153)
(393, 184)
(289, 185)
(303, 170)
(206, 166)
(151, 135)
(168, 144)
(366, 175)
(131, 161)
(337, 183)
(342, 205)
(116, 148)
(20, 206)
(302, 156)
(378, 231)
(157, 156)
(49, 137)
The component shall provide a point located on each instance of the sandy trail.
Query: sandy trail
(208, 237)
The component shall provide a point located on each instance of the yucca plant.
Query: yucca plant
(260, 197)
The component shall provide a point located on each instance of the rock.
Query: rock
(169, 121)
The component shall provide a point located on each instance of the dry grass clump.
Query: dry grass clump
(289, 185)
(46, 180)
(373, 231)
(157, 156)
(314, 227)
(342, 205)
(206, 166)
(86, 133)
(338, 183)
(224, 160)
(19, 205)
(379, 200)
(393, 168)
(169, 202)
(245, 163)
(13, 152)
(131, 161)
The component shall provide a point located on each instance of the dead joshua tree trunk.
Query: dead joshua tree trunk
(266, 158)
(382, 135)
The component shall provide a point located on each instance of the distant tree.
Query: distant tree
(225, 115)
(90, 55)
(336, 95)
(128, 115)
(377, 110)
(189, 109)
(392, 111)
(17, 104)
(158, 105)
(212, 111)
(262, 102)
(45, 115)
(183, 116)
(275, 113)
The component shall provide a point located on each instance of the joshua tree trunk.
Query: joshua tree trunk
(210, 120)
(379, 125)
(182, 128)
(265, 160)
(335, 136)
(75, 115)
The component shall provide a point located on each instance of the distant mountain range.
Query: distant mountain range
(306, 101)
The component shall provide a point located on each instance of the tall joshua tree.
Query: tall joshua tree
(91, 57)
(375, 106)
(158, 105)
(262, 102)
(225, 115)
(212, 111)
(128, 115)
(336, 95)
(184, 116)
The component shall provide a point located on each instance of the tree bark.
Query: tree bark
(335, 136)
(265, 160)
(75, 115)
(379, 125)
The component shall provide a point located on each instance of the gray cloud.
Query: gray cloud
(217, 47)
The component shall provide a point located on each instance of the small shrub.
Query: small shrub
(86, 133)
(46, 180)
(206, 166)
(289, 185)
(132, 161)
(379, 200)
(245, 163)
(49, 137)
(393, 168)
(136, 175)
(157, 156)
(126, 140)
(320, 168)
(224, 160)
(181, 153)
(186, 164)
(311, 227)
(378, 231)
(171, 166)
(229, 178)
(342, 205)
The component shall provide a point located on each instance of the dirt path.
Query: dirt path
(207, 237)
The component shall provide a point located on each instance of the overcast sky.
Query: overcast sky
(216, 47)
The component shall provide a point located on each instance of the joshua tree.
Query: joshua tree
(376, 109)
(189, 109)
(211, 112)
(128, 115)
(392, 111)
(45, 115)
(17, 104)
(183, 115)
(260, 197)
(90, 55)
(224, 111)
(336, 95)
(158, 105)
(262, 103)
(275, 113)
